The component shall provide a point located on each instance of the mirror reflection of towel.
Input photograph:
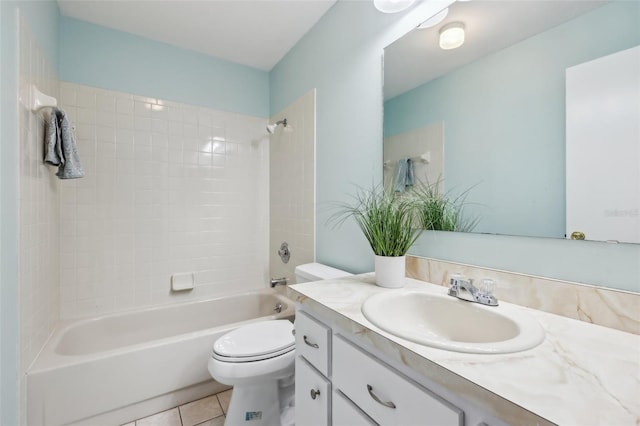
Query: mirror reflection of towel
(60, 144)
(404, 174)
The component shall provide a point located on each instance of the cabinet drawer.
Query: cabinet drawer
(313, 340)
(313, 394)
(384, 394)
(346, 413)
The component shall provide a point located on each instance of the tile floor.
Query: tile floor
(208, 411)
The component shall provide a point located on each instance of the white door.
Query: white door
(603, 148)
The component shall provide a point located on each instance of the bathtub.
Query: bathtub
(119, 367)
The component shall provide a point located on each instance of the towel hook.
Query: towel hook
(39, 100)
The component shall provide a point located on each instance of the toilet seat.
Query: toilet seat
(255, 342)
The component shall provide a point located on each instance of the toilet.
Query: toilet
(258, 361)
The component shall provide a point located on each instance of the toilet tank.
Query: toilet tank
(316, 272)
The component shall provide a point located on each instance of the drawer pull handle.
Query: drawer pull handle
(378, 400)
(314, 393)
(313, 345)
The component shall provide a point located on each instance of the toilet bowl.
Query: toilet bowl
(258, 361)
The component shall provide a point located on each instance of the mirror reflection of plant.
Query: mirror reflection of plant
(440, 212)
(386, 218)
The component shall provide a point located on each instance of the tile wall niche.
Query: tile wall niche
(597, 305)
(38, 208)
(292, 186)
(169, 188)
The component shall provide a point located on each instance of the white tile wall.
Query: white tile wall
(38, 207)
(292, 186)
(169, 188)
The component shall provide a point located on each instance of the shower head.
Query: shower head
(271, 128)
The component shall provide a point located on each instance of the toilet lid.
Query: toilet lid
(256, 340)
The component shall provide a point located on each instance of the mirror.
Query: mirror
(498, 107)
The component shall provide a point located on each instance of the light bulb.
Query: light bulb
(452, 36)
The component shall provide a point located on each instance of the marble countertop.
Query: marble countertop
(581, 374)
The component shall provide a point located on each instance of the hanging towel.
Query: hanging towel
(404, 174)
(61, 146)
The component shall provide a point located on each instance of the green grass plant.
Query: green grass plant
(386, 219)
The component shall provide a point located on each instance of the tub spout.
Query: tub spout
(278, 281)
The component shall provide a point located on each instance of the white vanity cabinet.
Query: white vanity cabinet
(313, 394)
(339, 383)
(313, 341)
(313, 355)
(346, 413)
(387, 396)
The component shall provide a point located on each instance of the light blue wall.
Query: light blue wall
(341, 57)
(115, 60)
(42, 17)
(504, 120)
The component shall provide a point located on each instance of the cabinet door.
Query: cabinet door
(313, 395)
(387, 396)
(346, 413)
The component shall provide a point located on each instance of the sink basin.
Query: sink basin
(446, 322)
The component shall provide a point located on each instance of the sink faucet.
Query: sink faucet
(278, 281)
(465, 290)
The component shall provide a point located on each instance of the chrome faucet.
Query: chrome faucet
(465, 290)
(278, 281)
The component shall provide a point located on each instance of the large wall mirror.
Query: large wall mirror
(495, 119)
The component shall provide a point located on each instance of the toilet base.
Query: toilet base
(255, 404)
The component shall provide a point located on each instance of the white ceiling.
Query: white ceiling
(490, 26)
(257, 33)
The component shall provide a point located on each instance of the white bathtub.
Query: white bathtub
(119, 367)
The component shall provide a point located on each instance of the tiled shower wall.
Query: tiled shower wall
(292, 186)
(169, 188)
(38, 209)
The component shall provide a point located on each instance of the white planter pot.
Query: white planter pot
(390, 271)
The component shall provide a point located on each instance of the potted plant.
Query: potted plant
(387, 220)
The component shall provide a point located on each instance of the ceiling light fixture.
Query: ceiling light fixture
(392, 6)
(452, 36)
(434, 20)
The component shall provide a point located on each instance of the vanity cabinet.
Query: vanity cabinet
(387, 396)
(313, 388)
(346, 413)
(339, 383)
(313, 393)
(313, 341)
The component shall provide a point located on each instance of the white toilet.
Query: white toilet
(258, 361)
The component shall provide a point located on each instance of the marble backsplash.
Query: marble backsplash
(597, 305)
